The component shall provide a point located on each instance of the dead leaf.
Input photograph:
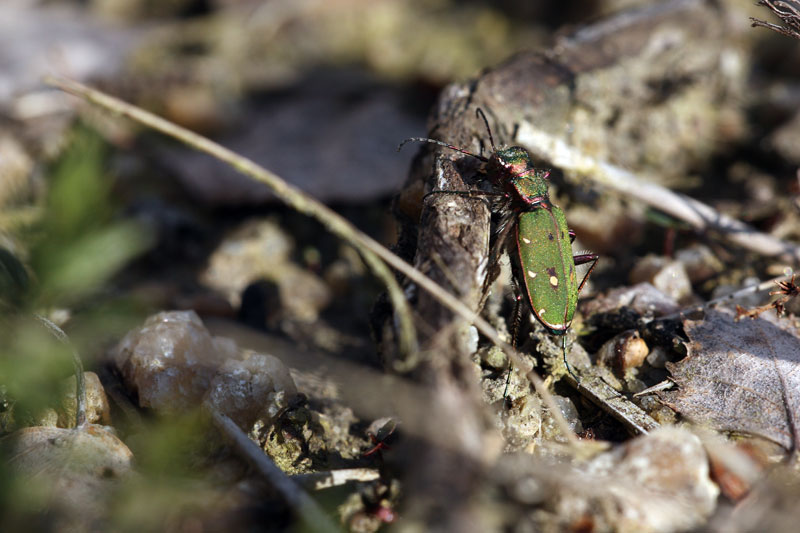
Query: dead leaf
(740, 376)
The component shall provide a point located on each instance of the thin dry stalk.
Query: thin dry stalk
(371, 250)
(787, 11)
(303, 505)
(286, 192)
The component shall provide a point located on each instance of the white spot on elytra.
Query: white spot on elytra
(541, 311)
(532, 274)
(526, 241)
(554, 281)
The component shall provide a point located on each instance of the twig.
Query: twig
(369, 248)
(697, 214)
(304, 507)
(787, 291)
(630, 415)
(788, 11)
(764, 285)
(80, 380)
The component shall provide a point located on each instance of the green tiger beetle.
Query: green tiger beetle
(542, 260)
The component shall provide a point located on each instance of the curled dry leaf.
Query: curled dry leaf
(740, 376)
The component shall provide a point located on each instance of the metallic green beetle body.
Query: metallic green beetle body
(547, 269)
(543, 264)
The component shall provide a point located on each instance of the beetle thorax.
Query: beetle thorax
(512, 169)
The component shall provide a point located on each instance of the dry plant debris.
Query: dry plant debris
(787, 290)
(789, 13)
(740, 376)
(651, 94)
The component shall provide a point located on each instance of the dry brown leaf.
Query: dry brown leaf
(740, 376)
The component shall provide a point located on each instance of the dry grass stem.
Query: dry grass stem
(371, 250)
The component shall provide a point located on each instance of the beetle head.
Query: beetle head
(513, 169)
(513, 161)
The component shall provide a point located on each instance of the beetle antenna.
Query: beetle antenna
(440, 143)
(479, 112)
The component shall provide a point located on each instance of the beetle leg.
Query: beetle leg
(469, 194)
(516, 319)
(566, 363)
(582, 259)
(586, 258)
(504, 230)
